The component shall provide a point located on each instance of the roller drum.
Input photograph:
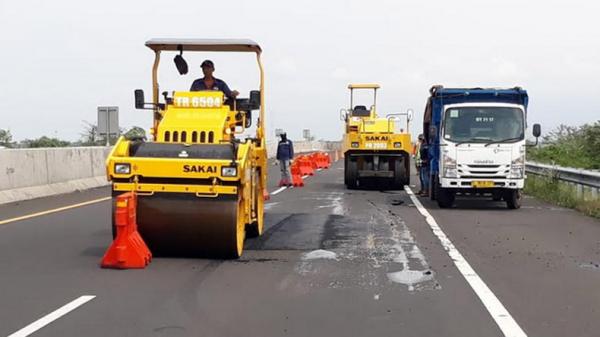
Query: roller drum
(174, 224)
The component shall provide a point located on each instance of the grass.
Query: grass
(559, 193)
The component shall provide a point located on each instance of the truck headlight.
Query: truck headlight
(121, 168)
(228, 171)
(397, 145)
(516, 172)
(516, 167)
(450, 170)
(354, 144)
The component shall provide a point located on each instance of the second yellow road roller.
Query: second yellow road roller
(200, 180)
(375, 148)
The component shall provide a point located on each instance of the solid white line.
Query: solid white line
(279, 190)
(304, 177)
(56, 314)
(505, 322)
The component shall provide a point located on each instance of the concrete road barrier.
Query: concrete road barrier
(33, 173)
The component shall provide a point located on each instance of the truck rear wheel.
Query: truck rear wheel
(444, 196)
(432, 187)
(513, 199)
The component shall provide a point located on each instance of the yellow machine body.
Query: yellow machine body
(199, 185)
(375, 147)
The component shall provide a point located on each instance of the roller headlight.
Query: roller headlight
(227, 171)
(121, 168)
(354, 144)
(397, 145)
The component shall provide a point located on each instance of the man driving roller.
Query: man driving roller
(208, 82)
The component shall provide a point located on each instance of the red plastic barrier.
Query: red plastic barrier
(321, 160)
(305, 165)
(297, 180)
(128, 250)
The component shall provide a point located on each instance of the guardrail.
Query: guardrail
(582, 179)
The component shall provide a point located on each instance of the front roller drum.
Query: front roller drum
(175, 224)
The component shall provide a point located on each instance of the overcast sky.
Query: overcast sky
(61, 59)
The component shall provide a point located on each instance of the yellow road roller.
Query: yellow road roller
(375, 148)
(200, 180)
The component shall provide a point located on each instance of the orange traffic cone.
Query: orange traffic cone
(128, 250)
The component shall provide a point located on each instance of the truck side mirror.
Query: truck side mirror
(254, 99)
(139, 98)
(537, 130)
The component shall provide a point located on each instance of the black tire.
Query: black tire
(444, 196)
(399, 174)
(346, 179)
(432, 183)
(406, 181)
(352, 170)
(513, 199)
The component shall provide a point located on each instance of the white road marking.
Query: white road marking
(505, 321)
(306, 176)
(56, 314)
(279, 190)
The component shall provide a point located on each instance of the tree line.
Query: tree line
(88, 137)
(570, 146)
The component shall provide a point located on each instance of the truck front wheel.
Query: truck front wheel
(513, 199)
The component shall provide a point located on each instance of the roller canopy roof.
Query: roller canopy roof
(363, 86)
(232, 45)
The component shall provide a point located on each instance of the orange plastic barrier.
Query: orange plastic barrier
(306, 165)
(321, 160)
(128, 250)
(297, 180)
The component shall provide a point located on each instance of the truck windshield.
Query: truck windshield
(483, 124)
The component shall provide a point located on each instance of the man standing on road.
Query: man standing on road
(422, 163)
(285, 154)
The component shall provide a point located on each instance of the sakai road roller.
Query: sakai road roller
(375, 148)
(199, 182)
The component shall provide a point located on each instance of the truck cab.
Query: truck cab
(476, 141)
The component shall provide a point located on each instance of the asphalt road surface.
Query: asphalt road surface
(332, 262)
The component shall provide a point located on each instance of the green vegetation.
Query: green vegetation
(570, 147)
(6, 138)
(562, 194)
(89, 137)
(44, 142)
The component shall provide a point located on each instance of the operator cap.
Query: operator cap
(207, 63)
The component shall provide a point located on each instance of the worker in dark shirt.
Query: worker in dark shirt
(208, 82)
(285, 154)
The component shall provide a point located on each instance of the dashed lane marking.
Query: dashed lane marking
(503, 319)
(279, 190)
(53, 316)
(50, 211)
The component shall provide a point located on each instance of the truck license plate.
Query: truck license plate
(482, 184)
